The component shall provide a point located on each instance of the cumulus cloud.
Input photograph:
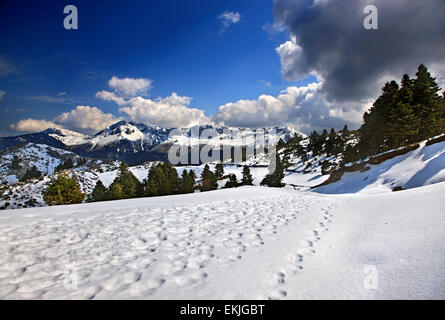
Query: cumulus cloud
(83, 118)
(33, 125)
(228, 18)
(328, 39)
(173, 111)
(86, 118)
(170, 112)
(2, 94)
(303, 106)
(110, 96)
(130, 86)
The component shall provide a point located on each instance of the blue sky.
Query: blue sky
(177, 44)
(198, 69)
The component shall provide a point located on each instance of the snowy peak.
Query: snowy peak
(117, 132)
(67, 137)
(136, 143)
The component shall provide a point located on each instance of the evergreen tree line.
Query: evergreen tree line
(403, 114)
(69, 164)
(163, 180)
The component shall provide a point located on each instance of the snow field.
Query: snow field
(147, 250)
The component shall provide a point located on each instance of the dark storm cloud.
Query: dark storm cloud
(331, 41)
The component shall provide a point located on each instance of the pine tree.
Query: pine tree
(247, 177)
(31, 173)
(68, 164)
(156, 182)
(63, 190)
(426, 96)
(81, 162)
(281, 144)
(403, 121)
(192, 176)
(126, 185)
(186, 182)
(275, 178)
(131, 186)
(232, 183)
(219, 170)
(331, 144)
(209, 181)
(15, 163)
(99, 192)
(171, 175)
(115, 191)
(374, 133)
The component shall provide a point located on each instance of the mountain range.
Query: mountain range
(136, 143)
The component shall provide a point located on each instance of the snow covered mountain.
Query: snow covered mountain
(44, 157)
(136, 143)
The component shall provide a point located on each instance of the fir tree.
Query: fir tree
(68, 164)
(403, 118)
(374, 133)
(192, 176)
(100, 193)
(63, 190)
(426, 96)
(115, 191)
(31, 173)
(172, 186)
(126, 185)
(331, 144)
(275, 177)
(209, 181)
(156, 182)
(232, 183)
(219, 170)
(15, 163)
(186, 182)
(247, 177)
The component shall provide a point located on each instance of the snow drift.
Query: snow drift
(247, 243)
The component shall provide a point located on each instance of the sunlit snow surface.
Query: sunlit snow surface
(245, 243)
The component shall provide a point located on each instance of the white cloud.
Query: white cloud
(170, 112)
(303, 106)
(110, 96)
(228, 18)
(61, 93)
(129, 86)
(83, 118)
(266, 83)
(33, 125)
(86, 118)
(290, 53)
(2, 94)
(273, 28)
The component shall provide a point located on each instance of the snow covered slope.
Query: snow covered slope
(44, 157)
(247, 243)
(420, 167)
